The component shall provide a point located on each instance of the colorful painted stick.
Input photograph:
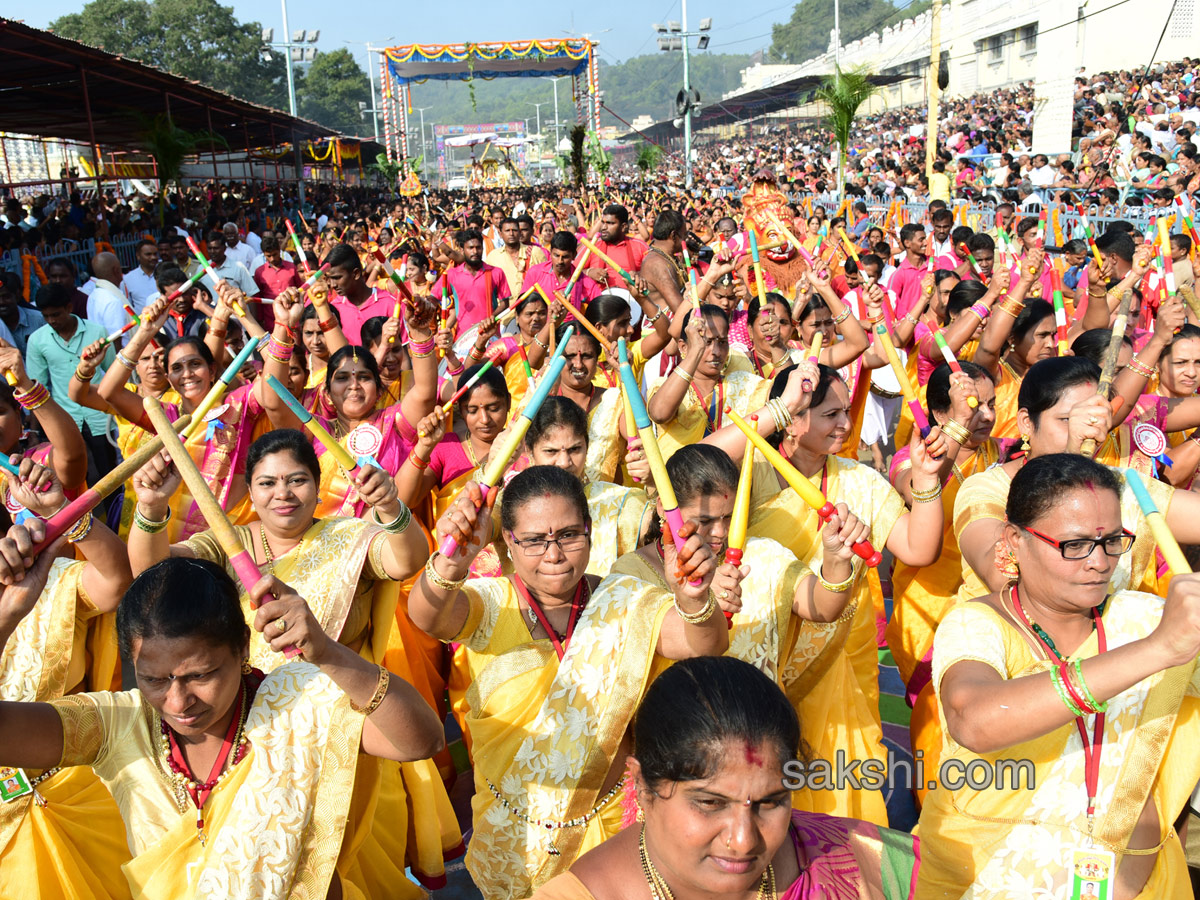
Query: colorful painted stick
(501, 454)
(814, 352)
(1060, 311)
(1167, 545)
(66, 517)
(850, 248)
(758, 274)
(1091, 238)
(315, 428)
(910, 395)
(118, 334)
(175, 294)
(493, 355)
(587, 326)
(951, 361)
(217, 391)
(658, 467)
(577, 272)
(808, 491)
(296, 243)
(1108, 369)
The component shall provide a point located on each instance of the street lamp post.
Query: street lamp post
(556, 114)
(538, 107)
(289, 44)
(424, 160)
(680, 39)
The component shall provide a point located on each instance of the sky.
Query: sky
(621, 26)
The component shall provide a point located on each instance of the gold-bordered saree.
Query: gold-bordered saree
(546, 732)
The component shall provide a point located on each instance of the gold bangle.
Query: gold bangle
(1140, 368)
(956, 431)
(435, 578)
(81, 529)
(841, 585)
(85, 379)
(926, 496)
(150, 526)
(842, 316)
(381, 689)
(686, 376)
(700, 617)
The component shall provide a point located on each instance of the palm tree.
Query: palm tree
(843, 93)
(169, 146)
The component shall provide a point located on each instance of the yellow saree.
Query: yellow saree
(922, 596)
(1002, 843)
(744, 391)
(605, 450)
(71, 844)
(273, 826)
(546, 732)
(840, 714)
(336, 570)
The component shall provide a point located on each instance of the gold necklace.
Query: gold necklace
(268, 556)
(660, 890)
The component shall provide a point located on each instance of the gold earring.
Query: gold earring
(246, 667)
(1025, 444)
(1006, 562)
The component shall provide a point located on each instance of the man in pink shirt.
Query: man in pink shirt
(273, 277)
(906, 280)
(354, 301)
(615, 242)
(481, 290)
(554, 275)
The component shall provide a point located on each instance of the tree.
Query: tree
(386, 171)
(196, 39)
(806, 34)
(648, 157)
(330, 90)
(577, 157)
(844, 93)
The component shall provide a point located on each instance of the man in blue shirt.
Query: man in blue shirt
(53, 354)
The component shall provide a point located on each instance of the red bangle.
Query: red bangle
(418, 463)
(327, 325)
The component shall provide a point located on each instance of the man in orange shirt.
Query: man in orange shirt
(614, 241)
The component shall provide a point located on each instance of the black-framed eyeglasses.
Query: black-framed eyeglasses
(1082, 548)
(567, 542)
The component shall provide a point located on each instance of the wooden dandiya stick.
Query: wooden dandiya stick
(248, 321)
(814, 352)
(1108, 369)
(240, 560)
(952, 362)
(910, 395)
(500, 455)
(175, 294)
(217, 391)
(312, 279)
(587, 326)
(66, 517)
(1167, 545)
(577, 272)
(758, 273)
(1091, 238)
(808, 491)
(740, 521)
(1189, 297)
(315, 428)
(658, 467)
(608, 259)
(850, 248)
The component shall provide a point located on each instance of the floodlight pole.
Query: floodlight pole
(687, 114)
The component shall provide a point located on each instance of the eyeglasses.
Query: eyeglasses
(1082, 548)
(567, 542)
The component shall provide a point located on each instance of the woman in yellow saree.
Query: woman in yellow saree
(786, 620)
(558, 667)
(922, 595)
(352, 387)
(843, 709)
(211, 763)
(689, 404)
(350, 571)
(60, 832)
(1093, 691)
(715, 746)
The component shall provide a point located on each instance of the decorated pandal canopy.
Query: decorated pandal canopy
(402, 67)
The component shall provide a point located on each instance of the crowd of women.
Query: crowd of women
(596, 501)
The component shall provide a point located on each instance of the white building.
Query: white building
(990, 44)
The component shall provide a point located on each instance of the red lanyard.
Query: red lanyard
(577, 604)
(1092, 749)
(716, 411)
(199, 792)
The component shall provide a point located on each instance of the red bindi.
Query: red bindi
(753, 757)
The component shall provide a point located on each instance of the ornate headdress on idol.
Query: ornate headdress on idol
(763, 201)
